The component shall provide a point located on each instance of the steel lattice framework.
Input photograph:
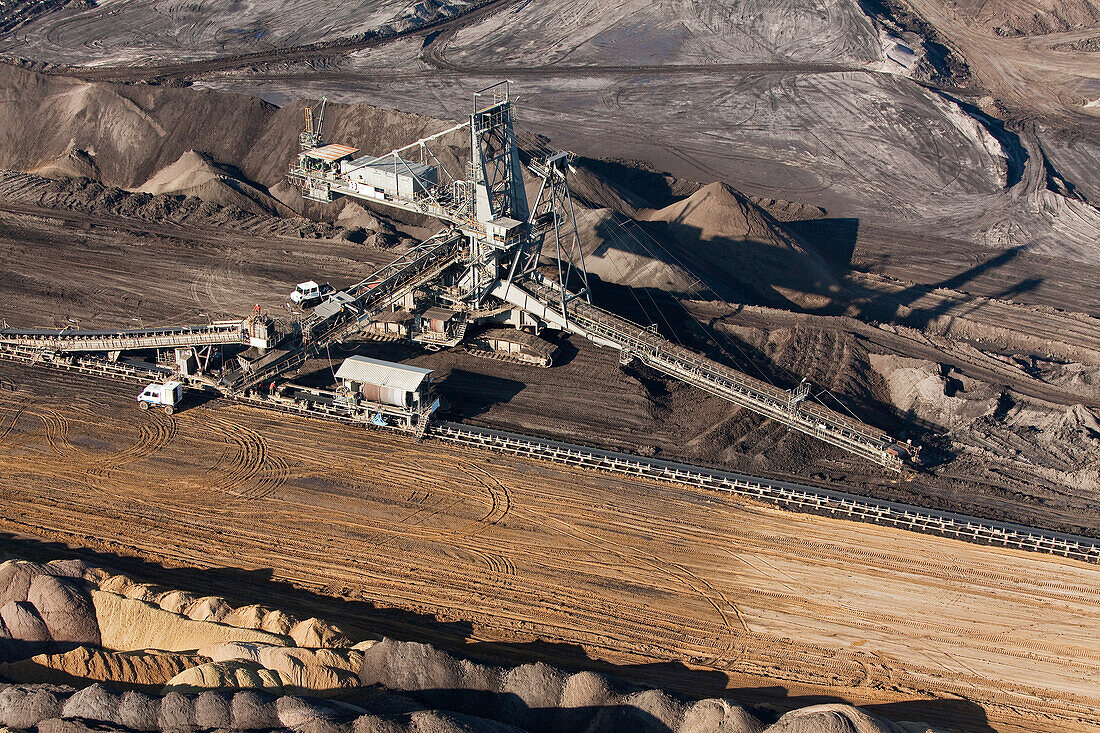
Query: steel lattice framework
(493, 263)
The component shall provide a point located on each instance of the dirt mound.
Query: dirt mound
(40, 609)
(74, 163)
(315, 634)
(60, 708)
(138, 131)
(738, 248)
(151, 670)
(199, 175)
(784, 210)
(997, 430)
(16, 577)
(595, 191)
(296, 670)
(1036, 17)
(920, 388)
(94, 197)
(130, 625)
(287, 659)
(24, 706)
(537, 697)
(66, 610)
(619, 250)
(254, 623)
(699, 244)
(229, 675)
(373, 230)
(22, 623)
(294, 677)
(833, 719)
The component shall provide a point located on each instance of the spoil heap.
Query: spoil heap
(199, 175)
(95, 649)
(741, 249)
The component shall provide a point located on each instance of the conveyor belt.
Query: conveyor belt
(632, 340)
(372, 296)
(798, 497)
(71, 340)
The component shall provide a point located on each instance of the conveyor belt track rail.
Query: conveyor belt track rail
(789, 495)
(718, 379)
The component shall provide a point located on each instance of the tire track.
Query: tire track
(15, 415)
(251, 473)
(57, 427)
(627, 569)
(155, 433)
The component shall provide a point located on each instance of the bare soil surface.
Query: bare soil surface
(503, 558)
(169, 262)
(934, 164)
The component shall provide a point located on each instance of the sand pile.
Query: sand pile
(174, 620)
(619, 250)
(537, 697)
(199, 175)
(165, 659)
(41, 610)
(73, 163)
(839, 719)
(375, 231)
(72, 624)
(292, 670)
(128, 624)
(149, 670)
(139, 130)
(714, 241)
(94, 707)
(739, 249)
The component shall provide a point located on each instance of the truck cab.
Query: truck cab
(168, 395)
(309, 293)
(306, 293)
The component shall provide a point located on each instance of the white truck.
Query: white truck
(309, 293)
(168, 394)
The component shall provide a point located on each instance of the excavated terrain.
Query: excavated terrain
(895, 199)
(506, 559)
(92, 648)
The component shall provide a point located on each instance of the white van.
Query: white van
(168, 394)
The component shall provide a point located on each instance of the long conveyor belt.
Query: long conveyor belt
(72, 340)
(607, 329)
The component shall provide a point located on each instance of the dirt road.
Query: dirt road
(676, 587)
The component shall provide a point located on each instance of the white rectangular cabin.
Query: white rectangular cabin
(391, 175)
(386, 382)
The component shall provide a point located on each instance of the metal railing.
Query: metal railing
(220, 332)
(100, 366)
(719, 379)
